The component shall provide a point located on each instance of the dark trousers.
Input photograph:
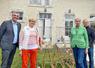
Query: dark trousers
(91, 58)
(7, 57)
(79, 56)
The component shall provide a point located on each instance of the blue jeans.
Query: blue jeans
(91, 58)
(79, 57)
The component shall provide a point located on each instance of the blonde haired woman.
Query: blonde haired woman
(29, 41)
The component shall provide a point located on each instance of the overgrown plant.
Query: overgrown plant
(57, 58)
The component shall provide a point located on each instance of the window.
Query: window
(46, 29)
(40, 2)
(36, 2)
(45, 15)
(68, 26)
(20, 15)
(69, 22)
(92, 15)
(46, 2)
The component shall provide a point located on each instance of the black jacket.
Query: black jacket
(91, 35)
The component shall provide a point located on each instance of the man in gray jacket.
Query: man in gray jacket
(9, 39)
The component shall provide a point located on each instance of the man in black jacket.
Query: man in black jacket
(9, 39)
(91, 37)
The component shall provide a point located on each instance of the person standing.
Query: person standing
(29, 43)
(91, 37)
(79, 43)
(9, 38)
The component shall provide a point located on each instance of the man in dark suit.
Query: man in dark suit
(9, 39)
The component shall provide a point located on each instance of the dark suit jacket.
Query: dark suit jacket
(91, 35)
(7, 34)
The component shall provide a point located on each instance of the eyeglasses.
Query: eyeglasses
(16, 15)
(77, 21)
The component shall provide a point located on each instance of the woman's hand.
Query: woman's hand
(20, 53)
(86, 51)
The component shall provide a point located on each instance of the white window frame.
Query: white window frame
(41, 4)
(45, 13)
(70, 17)
(47, 26)
(38, 4)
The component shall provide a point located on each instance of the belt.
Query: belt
(14, 43)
